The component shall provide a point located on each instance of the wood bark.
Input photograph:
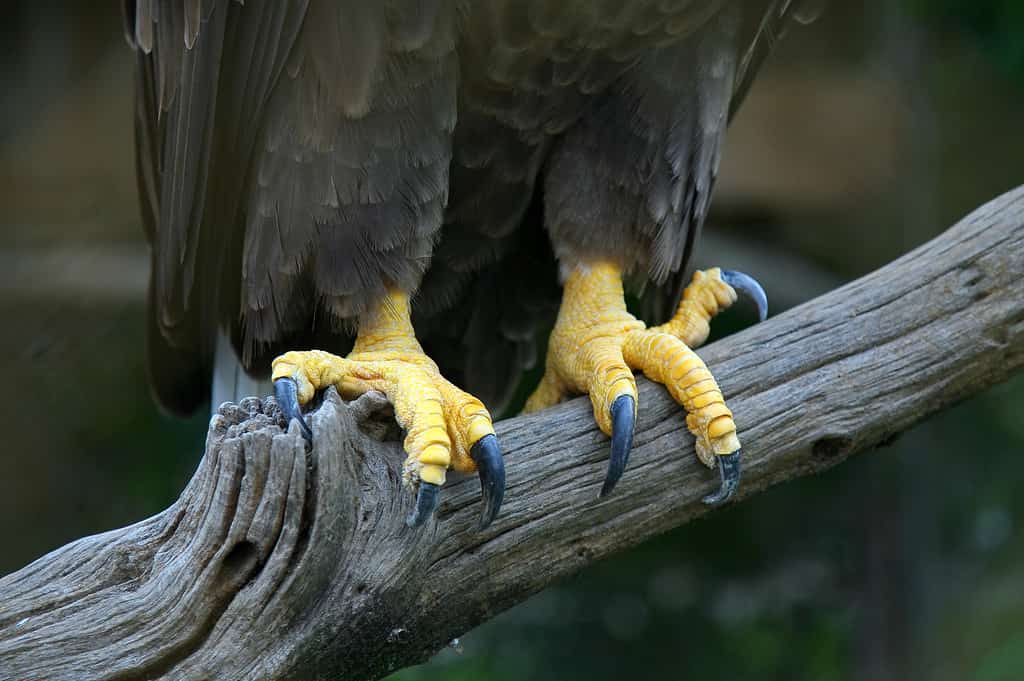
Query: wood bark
(278, 563)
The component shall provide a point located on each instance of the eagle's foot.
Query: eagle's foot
(596, 344)
(445, 427)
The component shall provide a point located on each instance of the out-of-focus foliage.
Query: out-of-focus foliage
(997, 26)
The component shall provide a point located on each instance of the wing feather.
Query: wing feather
(291, 154)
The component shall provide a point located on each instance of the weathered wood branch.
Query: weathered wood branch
(282, 564)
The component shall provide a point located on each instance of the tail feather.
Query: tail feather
(231, 382)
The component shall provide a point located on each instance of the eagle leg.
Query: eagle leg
(445, 426)
(596, 344)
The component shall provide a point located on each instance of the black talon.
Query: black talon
(623, 419)
(748, 286)
(286, 390)
(730, 471)
(427, 498)
(491, 468)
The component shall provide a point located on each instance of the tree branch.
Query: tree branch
(278, 563)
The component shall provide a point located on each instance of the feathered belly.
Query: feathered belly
(528, 44)
(533, 66)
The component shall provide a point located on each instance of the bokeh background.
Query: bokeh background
(871, 130)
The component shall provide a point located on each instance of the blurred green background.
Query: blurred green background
(870, 131)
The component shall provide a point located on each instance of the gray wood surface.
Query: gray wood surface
(276, 563)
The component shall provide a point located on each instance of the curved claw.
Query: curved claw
(748, 286)
(287, 393)
(427, 498)
(623, 420)
(486, 453)
(730, 471)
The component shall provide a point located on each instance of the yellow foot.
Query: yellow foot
(445, 426)
(596, 344)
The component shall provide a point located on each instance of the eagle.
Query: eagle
(405, 195)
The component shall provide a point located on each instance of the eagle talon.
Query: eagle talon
(748, 286)
(486, 454)
(730, 470)
(623, 416)
(427, 498)
(286, 390)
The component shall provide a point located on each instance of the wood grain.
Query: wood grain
(278, 563)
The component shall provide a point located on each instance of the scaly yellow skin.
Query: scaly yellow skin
(596, 344)
(441, 421)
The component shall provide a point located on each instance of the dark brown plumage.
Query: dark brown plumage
(296, 158)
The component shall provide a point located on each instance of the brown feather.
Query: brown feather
(297, 158)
